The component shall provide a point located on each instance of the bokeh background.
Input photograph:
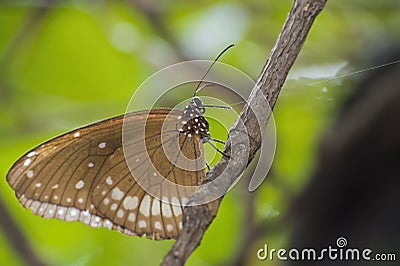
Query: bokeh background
(64, 64)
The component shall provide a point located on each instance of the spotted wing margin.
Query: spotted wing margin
(57, 178)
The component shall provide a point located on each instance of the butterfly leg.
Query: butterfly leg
(208, 167)
(215, 147)
(218, 141)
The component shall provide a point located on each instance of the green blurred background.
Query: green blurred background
(64, 64)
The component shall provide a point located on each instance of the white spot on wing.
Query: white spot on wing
(42, 209)
(142, 224)
(145, 206)
(27, 162)
(77, 134)
(130, 203)
(117, 194)
(72, 214)
(166, 209)
(108, 224)
(106, 201)
(50, 211)
(34, 206)
(90, 165)
(79, 184)
(38, 184)
(85, 217)
(176, 208)
(95, 222)
(157, 225)
(170, 227)
(120, 213)
(131, 217)
(29, 174)
(102, 145)
(109, 180)
(155, 209)
(113, 206)
(31, 154)
(61, 211)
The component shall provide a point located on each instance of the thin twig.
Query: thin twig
(17, 238)
(287, 47)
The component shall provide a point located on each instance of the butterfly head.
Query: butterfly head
(197, 104)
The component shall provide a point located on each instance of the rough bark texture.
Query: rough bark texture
(247, 127)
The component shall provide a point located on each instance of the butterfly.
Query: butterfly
(133, 173)
(83, 175)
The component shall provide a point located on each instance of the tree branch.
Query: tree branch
(17, 238)
(287, 47)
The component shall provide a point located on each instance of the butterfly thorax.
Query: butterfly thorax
(193, 121)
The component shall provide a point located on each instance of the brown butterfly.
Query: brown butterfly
(83, 175)
(97, 175)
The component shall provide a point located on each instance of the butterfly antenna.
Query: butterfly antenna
(199, 87)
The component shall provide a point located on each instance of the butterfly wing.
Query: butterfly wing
(83, 175)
